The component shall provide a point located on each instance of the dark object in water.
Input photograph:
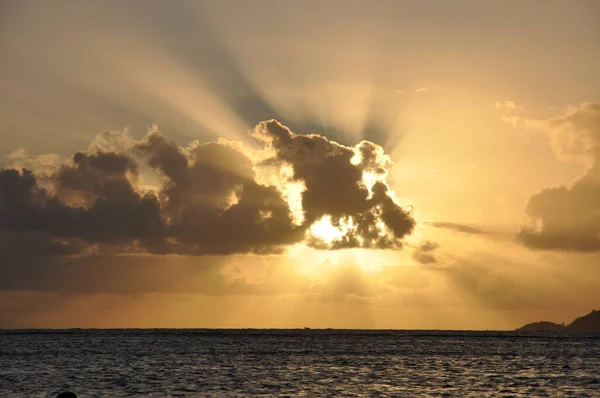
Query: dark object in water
(66, 394)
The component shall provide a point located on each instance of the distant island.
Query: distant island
(587, 323)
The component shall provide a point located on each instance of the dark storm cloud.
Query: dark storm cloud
(333, 177)
(209, 200)
(568, 217)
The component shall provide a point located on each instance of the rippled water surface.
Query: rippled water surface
(297, 363)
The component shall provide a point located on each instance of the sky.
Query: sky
(278, 164)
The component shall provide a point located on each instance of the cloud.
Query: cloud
(489, 291)
(513, 120)
(333, 175)
(40, 164)
(507, 105)
(533, 287)
(131, 275)
(212, 202)
(576, 134)
(565, 218)
(93, 201)
(455, 227)
(423, 253)
(213, 198)
(422, 90)
(17, 154)
(573, 135)
(568, 217)
(209, 275)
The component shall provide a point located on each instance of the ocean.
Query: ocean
(312, 363)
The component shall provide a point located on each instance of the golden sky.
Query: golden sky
(343, 164)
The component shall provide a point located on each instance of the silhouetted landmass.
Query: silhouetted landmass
(543, 326)
(587, 323)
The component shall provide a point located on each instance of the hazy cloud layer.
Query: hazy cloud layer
(473, 284)
(208, 275)
(455, 227)
(568, 217)
(506, 105)
(423, 253)
(214, 198)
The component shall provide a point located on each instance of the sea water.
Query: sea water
(228, 363)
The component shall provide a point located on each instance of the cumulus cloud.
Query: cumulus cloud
(212, 202)
(346, 185)
(568, 217)
(565, 218)
(213, 198)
